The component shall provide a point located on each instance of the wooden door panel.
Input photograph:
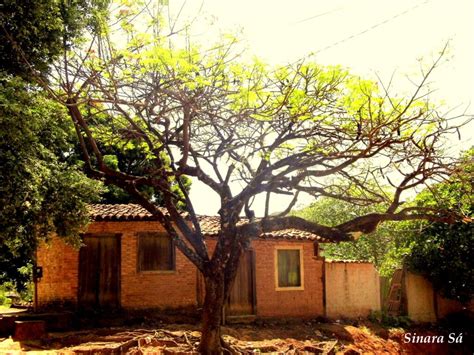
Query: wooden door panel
(242, 295)
(99, 271)
(88, 275)
(108, 295)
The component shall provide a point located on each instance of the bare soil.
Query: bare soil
(289, 338)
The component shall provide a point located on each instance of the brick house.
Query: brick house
(129, 261)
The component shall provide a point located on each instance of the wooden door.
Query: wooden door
(242, 295)
(99, 272)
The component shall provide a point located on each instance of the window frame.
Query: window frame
(289, 288)
(173, 253)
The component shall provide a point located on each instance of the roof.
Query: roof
(209, 224)
(120, 212)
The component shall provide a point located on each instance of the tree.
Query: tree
(40, 191)
(444, 253)
(300, 128)
(34, 33)
(42, 188)
(445, 257)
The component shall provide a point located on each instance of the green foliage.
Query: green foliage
(444, 253)
(4, 301)
(388, 320)
(136, 162)
(41, 187)
(457, 194)
(13, 263)
(385, 247)
(40, 190)
(131, 156)
(33, 33)
(36, 28)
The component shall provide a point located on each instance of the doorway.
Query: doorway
(99, 272)
(242, 301)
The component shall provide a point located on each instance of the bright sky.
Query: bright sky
(371, 37)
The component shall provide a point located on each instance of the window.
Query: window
(155, 252)
(289, 267)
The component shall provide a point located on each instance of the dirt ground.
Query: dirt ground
(288, 338)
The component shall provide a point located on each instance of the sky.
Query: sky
(373, 38)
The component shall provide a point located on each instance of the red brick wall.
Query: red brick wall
(171, 289)
(288, 303)
(155, 289)
(178, 288)
(60, 273)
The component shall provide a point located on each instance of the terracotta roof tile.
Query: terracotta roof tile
(209, 224)
(119, 212)
(210, 227)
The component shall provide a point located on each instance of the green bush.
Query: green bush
(4, 300)
(27, 293)
(388, 320)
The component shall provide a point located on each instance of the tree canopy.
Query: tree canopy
(34, 33)
(40, 191)
(127, 156)
(42, 187)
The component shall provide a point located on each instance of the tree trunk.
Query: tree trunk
(218, 280)
(212, 315)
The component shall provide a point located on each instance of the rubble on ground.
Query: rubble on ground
(300, 338)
